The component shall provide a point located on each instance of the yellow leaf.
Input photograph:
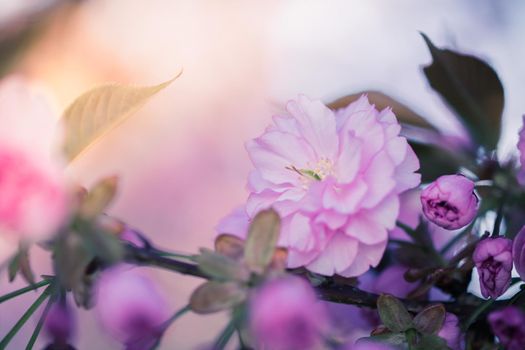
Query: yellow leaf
(99, 110)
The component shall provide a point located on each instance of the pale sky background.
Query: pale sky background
(181, 159)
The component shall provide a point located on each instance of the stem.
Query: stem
(452, 242)
(178, 314)
(24, 290)
(39, 325)
(140, 256)
(225, 336)
(499, 217)
(9, 336)
(477, 312)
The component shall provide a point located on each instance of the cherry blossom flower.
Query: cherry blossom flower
(335, 179)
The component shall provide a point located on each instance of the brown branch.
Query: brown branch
(343, 294)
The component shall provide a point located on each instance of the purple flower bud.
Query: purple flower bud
(450, 201)
(60, 323)
(518, 252)
(130, 308)
(285, 314)
(508, 324)
(493, 259)
(450, 331)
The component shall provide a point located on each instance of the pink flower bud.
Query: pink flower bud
(450, 201)
(130, 308)
(508, 325)
(285, 314)
(493, 259)
(60, 324)
(518, 252)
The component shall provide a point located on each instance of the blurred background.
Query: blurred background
(181, 159)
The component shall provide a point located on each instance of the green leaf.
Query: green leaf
(396, 339)
(473, 90)
(393, 313)
(20, 263)
(98, 198)
(221, 267)
(404, 114)
(99, 110)
(431, 342)
(430, 320)
(229, 245)
(215, 296)
(262, 239)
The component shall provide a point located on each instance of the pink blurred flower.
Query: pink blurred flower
(335, 179)
(521, 149)
(508, 324)
(285, 314)
(450, 201)
(493, 259)
(450, 331)
(130, 307)
(33, 200)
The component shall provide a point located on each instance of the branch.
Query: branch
(343, 294)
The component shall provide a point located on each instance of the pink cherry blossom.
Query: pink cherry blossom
(335, 179)
(33, 194)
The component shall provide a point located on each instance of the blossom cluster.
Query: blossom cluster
(362, 228)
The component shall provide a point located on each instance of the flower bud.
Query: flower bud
(508, 324)
(285, 314)
(60, 324)
(493, 259)
(450, 331)
(130, 308)
(450, 201)
(518, 252)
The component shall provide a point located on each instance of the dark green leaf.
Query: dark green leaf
(262, 239)
(434, 161)
(393, 313)
(473, 90)
(396, 339)
(430, 320)
(216, 296)
(221, 267)
(381, 101)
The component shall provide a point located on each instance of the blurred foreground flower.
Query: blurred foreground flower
(33, 200)
(451, 332)
(285, 314)
(450, 201)
(130, 308)
(493, 259)
(335, 179)
(508, 325)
